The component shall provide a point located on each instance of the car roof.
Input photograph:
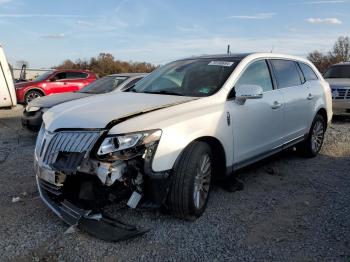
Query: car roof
(241, 56)
(129, 74)
(237, 56)
(341, 64)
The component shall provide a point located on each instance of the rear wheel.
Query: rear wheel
(31, 95)
(189, 191)
(313, 144)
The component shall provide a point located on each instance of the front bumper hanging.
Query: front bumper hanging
(96, 224)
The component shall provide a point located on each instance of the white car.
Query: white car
(187, 123)
(338, 77)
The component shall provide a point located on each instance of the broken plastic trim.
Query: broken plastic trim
(108, 229)
(95, 224)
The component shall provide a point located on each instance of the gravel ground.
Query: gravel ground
(291, 209)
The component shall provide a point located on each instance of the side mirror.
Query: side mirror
(53, 79)
(244, 92)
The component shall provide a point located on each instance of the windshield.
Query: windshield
(341, 71)
(42, 76)
(192, 77)
(104, 85)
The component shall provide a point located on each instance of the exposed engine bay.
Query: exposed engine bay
(81, 172)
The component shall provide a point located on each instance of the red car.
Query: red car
(52, 82)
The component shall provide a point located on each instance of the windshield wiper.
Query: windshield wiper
(165, 92)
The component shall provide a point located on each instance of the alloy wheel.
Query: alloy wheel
(202, 181)
(317, 136)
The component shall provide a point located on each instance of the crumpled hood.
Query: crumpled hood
(98, 110)
(52, 100)
(339, 82)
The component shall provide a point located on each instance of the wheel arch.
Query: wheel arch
(34, 89)
(322, 111)
(218, 153)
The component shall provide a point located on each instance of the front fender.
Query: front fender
(177, 137)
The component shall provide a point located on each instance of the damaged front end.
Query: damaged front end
(79, 172)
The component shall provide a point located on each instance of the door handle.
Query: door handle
(276, 105)
(310, 96)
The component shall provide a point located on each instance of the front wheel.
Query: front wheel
(31, 95)
(189, 191)
(312, 145)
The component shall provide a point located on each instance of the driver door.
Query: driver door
(257, 124)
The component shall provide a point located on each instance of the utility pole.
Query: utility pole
(228, 49)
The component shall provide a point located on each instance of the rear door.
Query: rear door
(295, 91)
(257, 123)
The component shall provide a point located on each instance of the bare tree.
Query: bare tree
(105, 64)
(341, 50)
(339, 53)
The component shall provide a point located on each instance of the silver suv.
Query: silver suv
(338, 77)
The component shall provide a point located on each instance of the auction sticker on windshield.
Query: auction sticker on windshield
(221, 63)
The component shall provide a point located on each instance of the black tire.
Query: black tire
(31, 95)
(308, 148)
(186, 177)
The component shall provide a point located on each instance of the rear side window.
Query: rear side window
(257, 74)
(340, 71)
(308, 73)
(76, 75)
(286, 73)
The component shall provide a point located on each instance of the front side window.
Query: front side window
(60, 76)
(192, 77)
(258, 74)
(286, 73)
(340, 71)
(103, 85)
(308, 73)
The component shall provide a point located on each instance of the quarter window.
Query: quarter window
(309, 74)
(258, 74)
(286, 73)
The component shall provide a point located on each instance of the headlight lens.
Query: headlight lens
(32, 108)
(117, 143)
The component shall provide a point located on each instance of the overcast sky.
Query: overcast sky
(47, 32)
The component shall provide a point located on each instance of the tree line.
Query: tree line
(106, 64)
(339, 53)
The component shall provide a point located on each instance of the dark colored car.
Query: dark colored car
(32, 114)
(53, 82)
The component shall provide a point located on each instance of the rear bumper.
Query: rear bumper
(32, 120)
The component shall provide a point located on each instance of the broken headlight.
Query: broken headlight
(126, 146)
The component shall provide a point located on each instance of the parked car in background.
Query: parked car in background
(53, 82)
(338, 77)
(7, 89)
(32, 114)
(164, 140)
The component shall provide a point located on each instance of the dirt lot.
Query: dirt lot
(291, 209)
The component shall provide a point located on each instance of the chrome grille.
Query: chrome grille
(49, 145)
(39, 139)
(341, 93)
